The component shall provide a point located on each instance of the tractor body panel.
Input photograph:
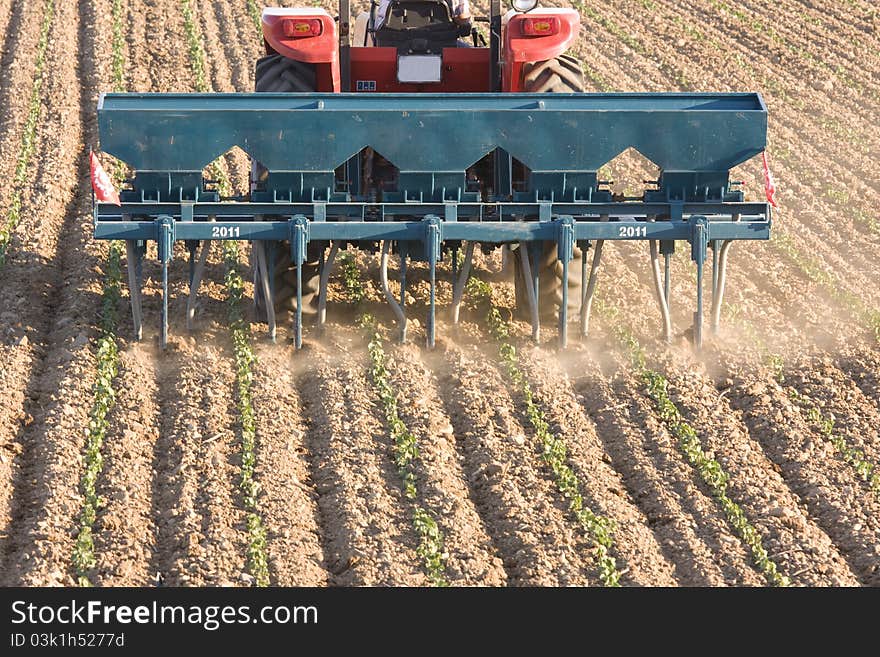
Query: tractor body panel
(522, 45)
(282, 33)
(375, 69)
(463, 70)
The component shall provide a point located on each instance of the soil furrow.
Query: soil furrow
(539, 542)
(835, 499)
(138, 71)
(441, 480)
(50, 297)
(201, 537)
(690, 527)
(125, 535)
(288, 499)
(634, 543)
(218, 50)
(162, 46)
(367, 533)
(800, 548)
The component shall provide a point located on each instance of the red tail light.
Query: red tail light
(298, 28)
(540, 26)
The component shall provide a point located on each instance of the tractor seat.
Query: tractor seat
(420, 26)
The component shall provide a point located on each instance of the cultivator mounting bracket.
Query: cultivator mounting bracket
(304, 140)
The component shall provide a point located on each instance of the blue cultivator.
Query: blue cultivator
(517, 170)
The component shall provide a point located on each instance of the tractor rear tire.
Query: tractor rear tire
(560, 75)
(556, 76)
(276, 73)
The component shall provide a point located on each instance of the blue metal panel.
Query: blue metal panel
(433, 132)
(489, 232)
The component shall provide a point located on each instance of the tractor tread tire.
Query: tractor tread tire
(276, 73)
(560, 75)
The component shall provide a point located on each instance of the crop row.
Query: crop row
(254, 11)
(406, 449)
(855, 457)
(83, 557)
(758, 25)
(826, 424)
(817, 273)
(709, 469)
(245, 358)
(107, 359)
(29, 135)
(598, 528)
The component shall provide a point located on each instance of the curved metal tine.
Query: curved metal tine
(660, 291)
(698, 315)
(584, 279)
(563, 308)
(530, 291)
(132, 257)
(325, 279)
(590, 290)
(659, 287)
(461, 281)
(262, 262)
(454, 264)
(667, 277)
(192, 247)
(392, 301)
(431, 327)
(197, 275)
(403, 280)
(163, 336)
(718, 292)
(715, 245)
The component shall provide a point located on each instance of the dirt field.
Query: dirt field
(786, 399)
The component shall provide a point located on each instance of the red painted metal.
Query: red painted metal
(463, 70)
(532, 26)
(319, 49)
(520, 48)
(299, 28)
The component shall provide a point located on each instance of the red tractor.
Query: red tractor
(418, 46)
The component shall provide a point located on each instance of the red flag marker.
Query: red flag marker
(769, 185)
(101, 183)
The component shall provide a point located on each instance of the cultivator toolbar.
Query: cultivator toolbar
(544, 153)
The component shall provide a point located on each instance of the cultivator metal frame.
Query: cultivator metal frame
(563, 139)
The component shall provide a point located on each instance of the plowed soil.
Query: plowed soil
(786, 397)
